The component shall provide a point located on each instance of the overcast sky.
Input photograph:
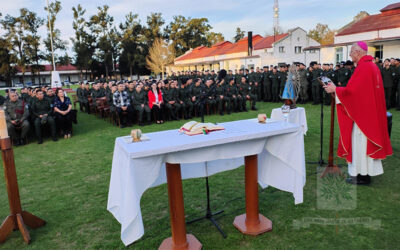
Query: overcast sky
(223, 15)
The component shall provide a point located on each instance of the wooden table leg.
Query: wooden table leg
(179, 240)
(252, 223)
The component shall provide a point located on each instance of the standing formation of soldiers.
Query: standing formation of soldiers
(267, 84)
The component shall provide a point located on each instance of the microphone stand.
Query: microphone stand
(321, 161)
(209, 214)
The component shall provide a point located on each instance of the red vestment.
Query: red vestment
(363, 101)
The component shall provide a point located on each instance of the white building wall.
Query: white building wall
(366, 36)
(298, 37)
(327, 55)
(311, 57)
(389, 33)
(390, 51)
(356, 37)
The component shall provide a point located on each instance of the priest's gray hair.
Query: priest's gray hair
(358, 49)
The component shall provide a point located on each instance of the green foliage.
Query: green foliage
(107, 38)
(84, 43)
(58, 44)
(133, 45)
(188, 33)
(322, 34)
(239, 35)
(66, 183)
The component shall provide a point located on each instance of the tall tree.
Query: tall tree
(176, 33)
(186, 33)
(32, 42)
(214, 38)
(7, 58)
(153, 29)
(102, 26)
(15, 28)
(239, 35)
(83, 42)
(133, 56)
(160, 56)
(58, 43)
(322, 34)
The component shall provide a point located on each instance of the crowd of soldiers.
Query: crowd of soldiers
(178, 99)
(267, 84)
(192, 93)
(390, 70)
(35, 107)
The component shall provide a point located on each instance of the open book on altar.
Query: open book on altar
(196, 128)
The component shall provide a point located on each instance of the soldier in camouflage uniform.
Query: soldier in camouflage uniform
(209, 92)
(141, 104)
(220, 95)
(234, 98)
(171, 101)
(17, 114)
(316, 87)
(344, 74)
(388, 76)
(275, 80)
(185, 99)
(303, 95)
(195, 96)
(247, 92)
(41, 112)
(267, 85)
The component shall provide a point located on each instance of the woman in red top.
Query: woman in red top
(156, 102)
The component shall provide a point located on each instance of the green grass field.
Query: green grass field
(66, 183)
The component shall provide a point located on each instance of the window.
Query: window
(312, 51)
(339, 54)
(379, 51)
(297, 49)
(281, 49)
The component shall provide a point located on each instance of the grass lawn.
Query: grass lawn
(66, 183)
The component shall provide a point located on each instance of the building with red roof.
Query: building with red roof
(68, 73)
(267, 50)
(380, 31)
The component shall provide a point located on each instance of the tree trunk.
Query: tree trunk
(37, 65)
(130, 71)
(22, 66)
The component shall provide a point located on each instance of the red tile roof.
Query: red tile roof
(240, 46)
(267, 42)
(388, 19)
(391, 7)
(203, 51)
(49, 67)
(221, 48)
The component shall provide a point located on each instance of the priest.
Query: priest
(364, 140)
